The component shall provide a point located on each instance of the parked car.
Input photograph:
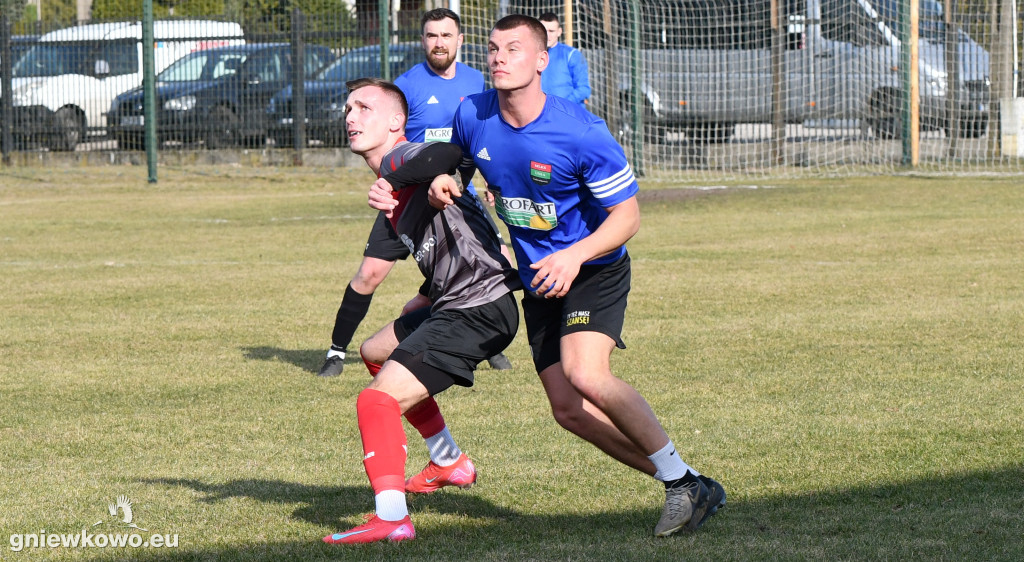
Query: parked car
(325, 94)
(710, 66)
(218, 96)
(64, 84)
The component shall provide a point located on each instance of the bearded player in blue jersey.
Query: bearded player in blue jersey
(433, 89)
(564, 188)
(436, 86)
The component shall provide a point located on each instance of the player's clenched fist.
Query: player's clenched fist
(382, 197)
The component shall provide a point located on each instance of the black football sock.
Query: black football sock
(353, 309)
(690, 477)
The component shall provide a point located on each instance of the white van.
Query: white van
(63, 86)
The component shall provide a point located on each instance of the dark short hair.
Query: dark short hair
(440, 14)
(549, 16)
(537, 29)
(392, 91)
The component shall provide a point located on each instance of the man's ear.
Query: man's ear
(397, 122)
(542, 61)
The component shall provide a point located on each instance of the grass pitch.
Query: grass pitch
(844, 355)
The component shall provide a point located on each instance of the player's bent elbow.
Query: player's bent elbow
(445, 155)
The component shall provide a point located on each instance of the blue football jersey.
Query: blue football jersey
(552, 179)
(433, 100)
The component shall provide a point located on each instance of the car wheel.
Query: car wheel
(710, 133)
(69, 129)
(223, 128)
(973, 127)
(652, 131)
(884, 115)
(886, 128)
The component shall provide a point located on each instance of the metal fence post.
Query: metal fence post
(384, 15)
(298, 85)
(149, 89)
(5, 73)
(952, 48)
(635, 97)
(778, 76)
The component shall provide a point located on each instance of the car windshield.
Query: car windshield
(18, 49)
(46, 59)
(363, 62)
(355, 63)
(203, 65)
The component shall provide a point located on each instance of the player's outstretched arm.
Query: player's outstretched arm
(435, 159)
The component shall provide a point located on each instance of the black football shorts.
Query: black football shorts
(596, 302)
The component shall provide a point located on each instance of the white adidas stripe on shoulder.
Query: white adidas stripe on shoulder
(610, 186)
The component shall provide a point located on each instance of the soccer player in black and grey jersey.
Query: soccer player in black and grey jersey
(473, 314)
(433, 89)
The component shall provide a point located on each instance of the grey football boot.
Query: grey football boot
(685, 507)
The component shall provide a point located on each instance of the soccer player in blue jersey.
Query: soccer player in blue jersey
(434, 89)
(437, 86)
(469, 282)
(564, 188)
(567, 74)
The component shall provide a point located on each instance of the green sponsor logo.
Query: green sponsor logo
(522, 212)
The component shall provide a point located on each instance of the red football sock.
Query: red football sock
(425, 417)
(384, 445)
(374, 368)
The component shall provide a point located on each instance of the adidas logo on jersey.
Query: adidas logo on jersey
(483, 154)
(432, 100)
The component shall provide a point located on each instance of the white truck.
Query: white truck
(63, 86)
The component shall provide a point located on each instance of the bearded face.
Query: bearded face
(440, 59)
(441, 42)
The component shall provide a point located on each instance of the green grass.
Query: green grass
(845, 355)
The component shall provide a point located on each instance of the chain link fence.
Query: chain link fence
(693, 89)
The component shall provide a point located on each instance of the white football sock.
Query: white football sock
(335, 353)
(668, 464)
(391, 505)
(442, 447)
